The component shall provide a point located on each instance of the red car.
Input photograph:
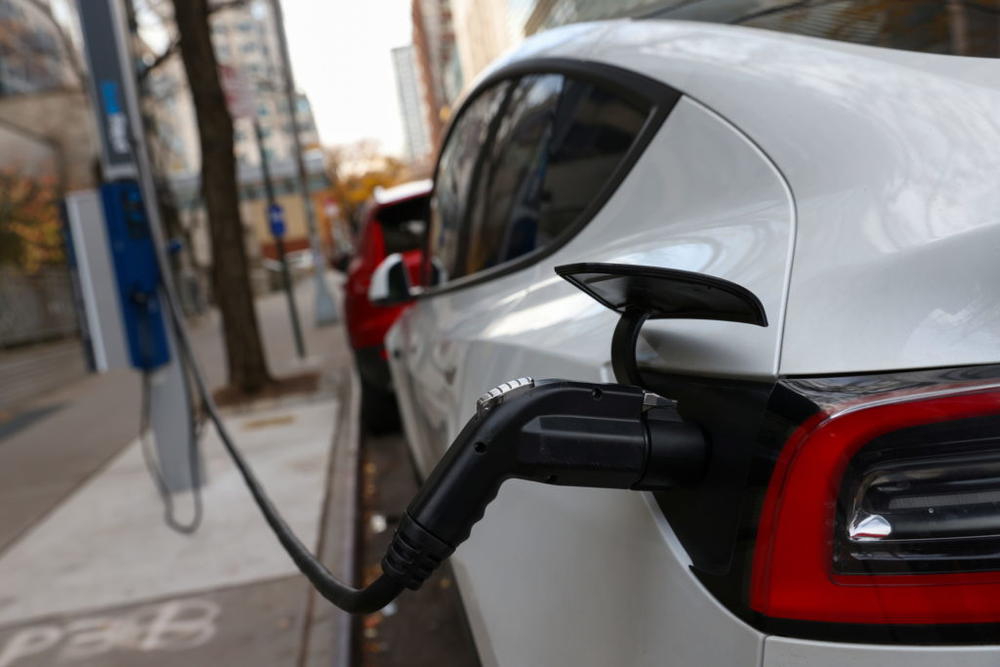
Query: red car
(395, 222)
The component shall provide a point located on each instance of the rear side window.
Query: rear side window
(556, 148)
(455, 172)
(553, 149)
(506, 205)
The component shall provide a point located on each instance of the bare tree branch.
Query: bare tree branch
(174, 45)
(160, 59)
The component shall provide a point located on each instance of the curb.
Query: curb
(328, 634)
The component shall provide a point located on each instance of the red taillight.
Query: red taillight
(914, 515)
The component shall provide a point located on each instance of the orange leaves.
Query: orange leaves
(30, 227)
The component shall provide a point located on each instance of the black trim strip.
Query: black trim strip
(629, 85)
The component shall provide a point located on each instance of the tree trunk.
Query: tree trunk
(248, 371)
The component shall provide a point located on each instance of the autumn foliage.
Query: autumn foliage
(30, 226)
(356, 170)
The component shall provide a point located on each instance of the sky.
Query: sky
(340, 55)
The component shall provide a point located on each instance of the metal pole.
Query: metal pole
(286, 276)
(326, 310)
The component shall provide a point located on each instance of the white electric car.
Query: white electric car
(850, 511)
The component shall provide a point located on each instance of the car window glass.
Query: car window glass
(455, 172)
(556, 147)
(506, 196)
(403, 225)
(404, 237)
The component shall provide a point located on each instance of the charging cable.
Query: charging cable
(146, 445)
(371, 598)
(553, 432)
(146, 442)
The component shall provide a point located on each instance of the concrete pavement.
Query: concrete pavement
(107, 544)
(90, 575)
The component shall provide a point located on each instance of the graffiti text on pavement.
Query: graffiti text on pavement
(169, 626)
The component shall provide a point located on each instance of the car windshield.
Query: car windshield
(951, 27)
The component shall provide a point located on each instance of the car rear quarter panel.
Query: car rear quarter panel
(893, 161)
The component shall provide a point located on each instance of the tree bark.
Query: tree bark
(248, 370)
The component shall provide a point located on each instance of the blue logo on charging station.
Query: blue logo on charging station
(276, 218)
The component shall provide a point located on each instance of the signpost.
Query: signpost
(276, 220)
(326, 309)
(240, 99)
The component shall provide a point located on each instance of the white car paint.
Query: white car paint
(537, 323)
(892, 158)
(559, 576)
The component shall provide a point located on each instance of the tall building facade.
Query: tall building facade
(483, 30)
(32, 56)
(547, 14)
(411, 108)
(41, 98)
(437, 62)
(245, 40)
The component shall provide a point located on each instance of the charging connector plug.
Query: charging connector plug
(553, 432)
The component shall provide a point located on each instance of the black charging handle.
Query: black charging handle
(571, 433)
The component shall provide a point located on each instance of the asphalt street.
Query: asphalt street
(423, 628)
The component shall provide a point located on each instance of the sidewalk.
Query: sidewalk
(37, 369)
(89, 573)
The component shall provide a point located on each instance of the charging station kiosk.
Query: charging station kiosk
(118, 276)
(118, 249)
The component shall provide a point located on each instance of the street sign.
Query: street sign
(241, 97)
(276, 218)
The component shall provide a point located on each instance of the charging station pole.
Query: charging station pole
(127, 169)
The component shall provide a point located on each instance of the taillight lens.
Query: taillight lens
(923, 499)
(886, 512)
